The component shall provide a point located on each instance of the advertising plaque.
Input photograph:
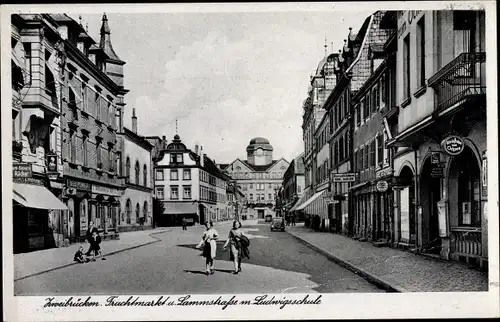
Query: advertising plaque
(453, 145)
(382, 186)
(344, 177)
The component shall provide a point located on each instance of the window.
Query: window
(98, 155)
(145, 173)
(127, 169)
(270, 197)
(358, 115)
(137, 213)
(362, 158)
(137, 172)
(174, 192)
(341, 149)
(111, 119)
(84, 96)
(463, 31)
(251, 185)
(119, 163)
(380, 148)
(176, 158)
(336, 152)
(347, 141)
(251, 196)
(365, 103)
(111, 158)
(174, 175)
(27, 61)
(145, 210)
(118, 120)
(187, 192)
(421, 51)
(128, 209)
(97, 102)
(406, 67)
(375, 99)
(299, 189)
(356, 161)
(270, 185)
(186, 175)
(159, 174)
(85, 150)
(372, 153)
(50, 85)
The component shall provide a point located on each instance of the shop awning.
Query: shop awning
(308, 202)
(34, 196)
(299, 203)
(318, 206)
(178, 208)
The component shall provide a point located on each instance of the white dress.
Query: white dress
(210, 236)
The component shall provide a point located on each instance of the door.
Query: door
(260, 213)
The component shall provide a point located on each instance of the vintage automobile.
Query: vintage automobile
(278, 223)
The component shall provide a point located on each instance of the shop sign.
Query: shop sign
(453, 145)
(382, 186)
(79, 185)
(106, 191)
(23, 172)
(435, 159)
(437, 172)
(344, 177)
(51, 163)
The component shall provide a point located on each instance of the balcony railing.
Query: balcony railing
(463, 78)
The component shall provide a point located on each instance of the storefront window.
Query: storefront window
(469, 196)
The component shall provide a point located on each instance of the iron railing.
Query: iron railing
(463, 78)
(466, 242)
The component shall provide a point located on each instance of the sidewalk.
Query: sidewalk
(34, 263)
(392, 269)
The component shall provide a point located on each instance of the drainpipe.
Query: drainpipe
(417, 201)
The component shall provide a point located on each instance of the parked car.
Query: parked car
(278, 224)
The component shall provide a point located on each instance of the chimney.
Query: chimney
(202, 157)
(164, 142)
(134, 121)
(196, 149)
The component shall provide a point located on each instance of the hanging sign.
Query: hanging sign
(435, 158)
(437, 171)
(453, 145)
(382, 186)
(51, 163)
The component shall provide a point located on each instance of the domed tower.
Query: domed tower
(259, 152)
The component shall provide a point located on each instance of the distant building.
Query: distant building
(258, 176)
(135, 165)
(293, 185)
(190, 185)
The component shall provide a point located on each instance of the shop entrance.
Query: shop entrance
(260, 213)
(430, 194)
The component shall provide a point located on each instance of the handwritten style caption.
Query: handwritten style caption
(185, 300)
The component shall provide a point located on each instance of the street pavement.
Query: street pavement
(278, 263)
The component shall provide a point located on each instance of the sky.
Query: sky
(226, 77)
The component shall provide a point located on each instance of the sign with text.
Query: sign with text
(344, 177)
(79, 185)
(21, 170)
(437, 171)
(382, 186)
(453, 145)
(106, 191)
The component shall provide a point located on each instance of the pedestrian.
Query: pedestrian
(209, 244)
(95, 247)
(293, 220)
(184, 223)
(79, 255)
(239, 244)
(89, 234)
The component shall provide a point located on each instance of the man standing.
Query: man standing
(293, 219)
(184, 223)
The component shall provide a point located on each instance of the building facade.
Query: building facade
(440, 163)
(257, 177)
(135, 166)
(293, 186)
(189, 185)
(38, 62)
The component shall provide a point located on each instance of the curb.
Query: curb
(108, 254)
(372, 278)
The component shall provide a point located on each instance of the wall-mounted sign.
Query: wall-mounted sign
(437, 171)
(51, 163)
(453, 145)
(344, 177)
(382, 186)
(106, 191)
(435, 159)
(21, 170)
(79, 185)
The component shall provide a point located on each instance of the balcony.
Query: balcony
(463, 79)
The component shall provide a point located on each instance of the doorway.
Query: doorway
(260, 213)
(430, 194)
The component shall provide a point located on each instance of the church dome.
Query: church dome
(259, 140)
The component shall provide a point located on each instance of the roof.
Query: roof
(260, 168)
(105, 42)
(211, 167)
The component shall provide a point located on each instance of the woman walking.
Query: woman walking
(238, 243)
(209, 244)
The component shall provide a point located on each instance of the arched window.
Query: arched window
(137, 172)
(145, 175)
(137, 212)
(127, 168)
(145, 211)
(128, 210)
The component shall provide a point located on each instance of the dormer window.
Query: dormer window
(176, 158)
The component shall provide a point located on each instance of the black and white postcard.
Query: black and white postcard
(250, 161)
